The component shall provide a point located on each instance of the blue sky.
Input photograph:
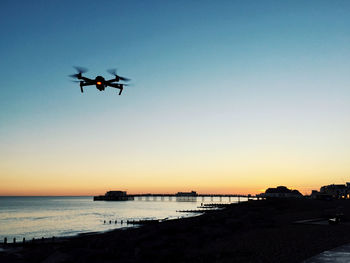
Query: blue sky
(228, 80)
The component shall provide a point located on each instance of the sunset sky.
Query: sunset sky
(227, 96)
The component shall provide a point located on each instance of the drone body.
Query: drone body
(99, 81)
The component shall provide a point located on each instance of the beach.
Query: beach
(254, 231)
(61, 216)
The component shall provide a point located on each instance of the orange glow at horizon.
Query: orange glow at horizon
(60, 181)
(150, 152)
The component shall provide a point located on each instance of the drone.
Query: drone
(99, 81)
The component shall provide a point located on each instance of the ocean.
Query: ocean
(37, 217)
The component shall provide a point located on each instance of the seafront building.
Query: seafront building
(332, 191)
(280, 192)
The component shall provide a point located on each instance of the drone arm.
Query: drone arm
(112, 80)
(83, 84)
(117, 86)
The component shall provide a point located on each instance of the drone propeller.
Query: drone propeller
(80, 71)
(114, 73)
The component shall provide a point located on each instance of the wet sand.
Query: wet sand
(255, 231)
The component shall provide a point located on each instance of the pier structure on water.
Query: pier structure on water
(180, 196)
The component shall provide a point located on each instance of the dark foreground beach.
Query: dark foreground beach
(255, 231)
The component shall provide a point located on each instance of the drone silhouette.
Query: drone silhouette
(100, 81)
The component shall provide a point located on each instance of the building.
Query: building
(281, 192)
(115, 193)
(192, 193)
(320, 196)
(332, 191)
(114, 196)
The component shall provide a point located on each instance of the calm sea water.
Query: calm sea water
(36, 217)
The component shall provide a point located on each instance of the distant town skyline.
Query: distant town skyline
(229, 97)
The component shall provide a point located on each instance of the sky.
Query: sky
(226, 96)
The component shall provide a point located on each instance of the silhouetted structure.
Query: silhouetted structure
(332, 191)
(180, 196)
(114, 196)
(192, 193)
(281, 192)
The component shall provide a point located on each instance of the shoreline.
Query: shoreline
(90, 216)
(254, 231)
(57, 239)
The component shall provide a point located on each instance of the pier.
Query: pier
(185, 196)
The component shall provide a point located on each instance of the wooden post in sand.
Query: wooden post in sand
(5, 240)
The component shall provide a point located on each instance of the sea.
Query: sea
(61, 216)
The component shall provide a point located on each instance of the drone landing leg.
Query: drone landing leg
(120, 92)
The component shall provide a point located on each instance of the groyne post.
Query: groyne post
(24, 240)
(5, 240)
(14, 240)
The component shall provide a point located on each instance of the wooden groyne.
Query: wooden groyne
(24, 241)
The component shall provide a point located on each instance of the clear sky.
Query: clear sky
(227, 96)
